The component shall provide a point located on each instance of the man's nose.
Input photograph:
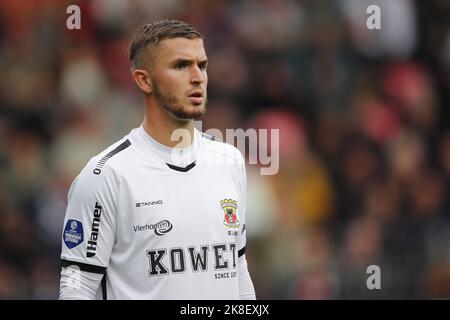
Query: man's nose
(197, 75)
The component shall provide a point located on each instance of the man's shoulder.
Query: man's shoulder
(115, 155)
(102, 171)
(111, 160)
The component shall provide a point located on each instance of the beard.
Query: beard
(176, 107)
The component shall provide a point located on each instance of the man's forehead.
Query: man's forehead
(181, 48)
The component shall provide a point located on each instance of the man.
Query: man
(152, 217)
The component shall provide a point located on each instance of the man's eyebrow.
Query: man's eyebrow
(188, 61)
(183, 60)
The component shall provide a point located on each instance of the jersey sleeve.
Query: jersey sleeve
(246, 288)
(90, 220)
(242, 189)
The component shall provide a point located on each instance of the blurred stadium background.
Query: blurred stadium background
(364, 128)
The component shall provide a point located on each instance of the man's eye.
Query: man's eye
(202, 67)
(180, 66)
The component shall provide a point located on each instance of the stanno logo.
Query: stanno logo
(150, 203)
(92, 242)
(160, 228)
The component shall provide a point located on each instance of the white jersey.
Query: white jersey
(159, 222)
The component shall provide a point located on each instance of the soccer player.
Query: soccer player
(153, 217)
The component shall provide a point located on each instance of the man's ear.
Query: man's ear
(142, 79)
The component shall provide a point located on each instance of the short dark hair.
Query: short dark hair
(151, 34)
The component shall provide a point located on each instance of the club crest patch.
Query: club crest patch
(229, 207)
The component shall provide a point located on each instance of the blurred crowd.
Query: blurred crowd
(364, 134)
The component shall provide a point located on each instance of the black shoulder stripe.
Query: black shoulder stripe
(185, 169)
(83, 266)
(101, 163)
(241, 252)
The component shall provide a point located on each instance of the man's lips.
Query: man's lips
(196, 100)
(196, 97)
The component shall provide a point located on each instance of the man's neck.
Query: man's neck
(167, 130)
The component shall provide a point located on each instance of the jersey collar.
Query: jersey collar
(179, 157)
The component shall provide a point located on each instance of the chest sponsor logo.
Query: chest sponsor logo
(160, 228)
(221, 256)
(73, 233)
(229, 207)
